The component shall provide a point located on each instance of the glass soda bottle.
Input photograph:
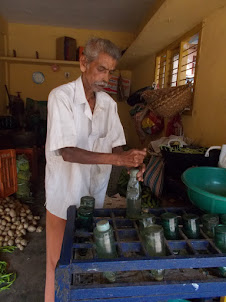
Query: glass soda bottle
(220, 241)
(133, 196)
(153, 238)
(85, 224)
(105, 245)
(170, 225)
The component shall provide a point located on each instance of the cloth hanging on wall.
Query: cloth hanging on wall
(146, 122)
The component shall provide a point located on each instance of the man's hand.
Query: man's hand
(142, 169)
(132, 158)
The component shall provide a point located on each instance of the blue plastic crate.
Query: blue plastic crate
(80, 279)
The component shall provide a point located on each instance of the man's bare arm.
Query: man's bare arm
(131, 158)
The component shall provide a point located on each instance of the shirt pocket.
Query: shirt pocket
(103, 145)
(100, 173)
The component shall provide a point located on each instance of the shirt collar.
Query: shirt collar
(80, 97)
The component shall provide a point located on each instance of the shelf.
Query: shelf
(39, 61)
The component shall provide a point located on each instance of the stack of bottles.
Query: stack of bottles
(103, 233)
(85, 220)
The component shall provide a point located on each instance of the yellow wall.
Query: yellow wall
(26, 39)
(207, 125)
(142, 76)
(3, 35)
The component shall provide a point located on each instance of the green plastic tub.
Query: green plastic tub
(206, 187)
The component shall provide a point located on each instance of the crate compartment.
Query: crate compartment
(101, 213)
(205, 247)
(123, 223)
(128, 235)
(90, 253)
(132, 249)
(183, 235)
(181, 248)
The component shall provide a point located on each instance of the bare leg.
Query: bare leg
(55, 227)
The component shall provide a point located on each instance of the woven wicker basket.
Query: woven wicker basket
(167, 102)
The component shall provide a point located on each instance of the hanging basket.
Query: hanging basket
(167, 102)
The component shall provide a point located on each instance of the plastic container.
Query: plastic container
(8, 173)
(105, 245)
(133, 196)
(207, 188)
(170, 225)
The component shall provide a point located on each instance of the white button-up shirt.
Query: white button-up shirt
(72, 124)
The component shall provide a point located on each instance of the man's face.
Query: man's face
(96, 74)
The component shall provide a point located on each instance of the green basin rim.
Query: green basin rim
(197, 189)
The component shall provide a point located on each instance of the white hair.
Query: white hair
(95, 46)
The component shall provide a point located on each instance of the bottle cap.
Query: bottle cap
(133, 172)
(190, 217)
(89, 198)
(169, 215)
(87, 201)
(103, 225)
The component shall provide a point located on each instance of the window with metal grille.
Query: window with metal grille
(176, 65)
(160, 70)
(188, 60)
(173, 66)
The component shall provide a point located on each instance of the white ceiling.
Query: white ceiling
(113, 15)
(173, 19)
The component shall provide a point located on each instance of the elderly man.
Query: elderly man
(84, 136)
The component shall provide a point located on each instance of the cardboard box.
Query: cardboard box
(66, 49)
